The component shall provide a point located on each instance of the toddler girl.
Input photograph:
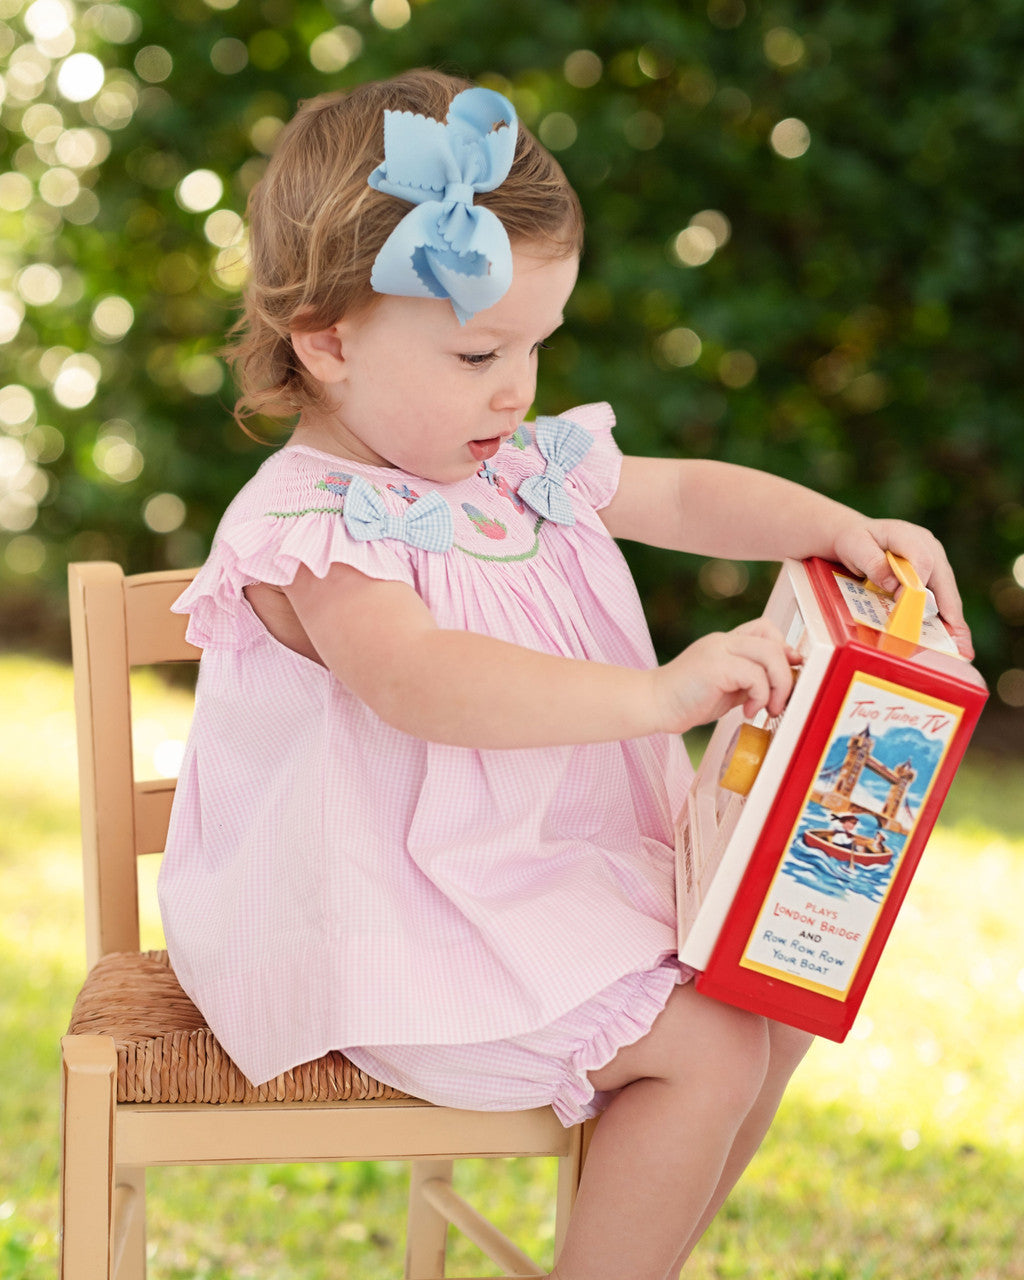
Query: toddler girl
(425, 815)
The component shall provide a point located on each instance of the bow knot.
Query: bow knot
(459, 193)
(427, 523)
(447, 246)
(563, 444)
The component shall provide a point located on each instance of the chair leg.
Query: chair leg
(88, 1084)
(570, 1167)
(130, 1224)
(427, 1230)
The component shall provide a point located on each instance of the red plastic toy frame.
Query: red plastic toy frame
(858, 649)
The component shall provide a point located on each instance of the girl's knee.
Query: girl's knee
(787, 1047)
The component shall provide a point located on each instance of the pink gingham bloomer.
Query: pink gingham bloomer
(331, 882)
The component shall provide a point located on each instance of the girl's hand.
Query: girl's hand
(749, 666)
(862, 547)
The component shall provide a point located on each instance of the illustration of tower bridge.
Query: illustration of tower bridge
(836, 786)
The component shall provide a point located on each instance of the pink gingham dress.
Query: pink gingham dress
(455, 920)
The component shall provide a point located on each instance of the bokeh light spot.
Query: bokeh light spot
(42, 123)
(680, 347)
(12, 312)
(723, 579)
(153, 63)
(164, 512)
(391, 14)
(17, 406)
(223, 228)
(582, 69)
(115, 23)
(557, 131)
(1010, 687)
(115, 452)
(112, 317)
(25, 554)
(268, 49)
(333, 50)
(264, 133)
(694, 246)
(229, 56)
(200, 190)
(783, 47)
(737, 369)
(790, 138)
(116, 105)
(726, 14)
(59, 186)
(47, 19)
(39, 283)
(82, 148)
(202, 374)
(715, 222)
(75, 385)
(643, 130)
(15, 192)
(80, 77)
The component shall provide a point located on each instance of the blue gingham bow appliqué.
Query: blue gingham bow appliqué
(563, 444)
(427, 523)
(447, 247)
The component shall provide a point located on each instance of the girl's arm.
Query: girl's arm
(458, 687)
(718, 509)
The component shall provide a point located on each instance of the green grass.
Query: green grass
(896, 1156)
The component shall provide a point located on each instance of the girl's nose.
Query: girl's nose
(518, 388)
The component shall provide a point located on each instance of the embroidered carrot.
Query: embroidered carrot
(487, 525)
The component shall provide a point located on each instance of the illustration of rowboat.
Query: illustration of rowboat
(862, 853)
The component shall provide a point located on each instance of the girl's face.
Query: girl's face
(412, 388)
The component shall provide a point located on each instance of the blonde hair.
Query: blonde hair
(316, 227)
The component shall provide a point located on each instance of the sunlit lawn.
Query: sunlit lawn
(899, 1155)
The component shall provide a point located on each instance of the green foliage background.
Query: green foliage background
(859, 329)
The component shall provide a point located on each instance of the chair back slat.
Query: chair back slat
(117, 623)
(156, 635)
(153, 800)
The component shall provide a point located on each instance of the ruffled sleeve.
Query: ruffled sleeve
(285, 517)
(596, 477)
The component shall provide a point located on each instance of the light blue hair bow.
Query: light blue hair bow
(447, 247)
(427, 523)
(563, 444)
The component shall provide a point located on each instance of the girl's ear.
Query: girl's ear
(321, 352)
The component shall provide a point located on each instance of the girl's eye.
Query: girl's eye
(542, 346)
(478, 359)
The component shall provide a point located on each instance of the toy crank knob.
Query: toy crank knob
(745, 757)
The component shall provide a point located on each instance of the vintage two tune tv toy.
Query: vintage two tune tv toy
(801, 834)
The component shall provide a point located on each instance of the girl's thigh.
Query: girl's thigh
(694, 1038)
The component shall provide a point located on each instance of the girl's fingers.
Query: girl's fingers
(767, 670)
(862, 549)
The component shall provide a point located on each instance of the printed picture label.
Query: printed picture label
(883, 756)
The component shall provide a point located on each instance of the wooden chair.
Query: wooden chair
(144, 1082)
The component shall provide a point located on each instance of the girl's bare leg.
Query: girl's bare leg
(664, 1149)
(787, 1047)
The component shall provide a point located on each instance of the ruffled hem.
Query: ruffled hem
(632, 1006)
(596, 478)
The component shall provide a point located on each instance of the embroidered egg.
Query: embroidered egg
(337, 482)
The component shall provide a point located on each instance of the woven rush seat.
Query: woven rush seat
(167, 1053)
